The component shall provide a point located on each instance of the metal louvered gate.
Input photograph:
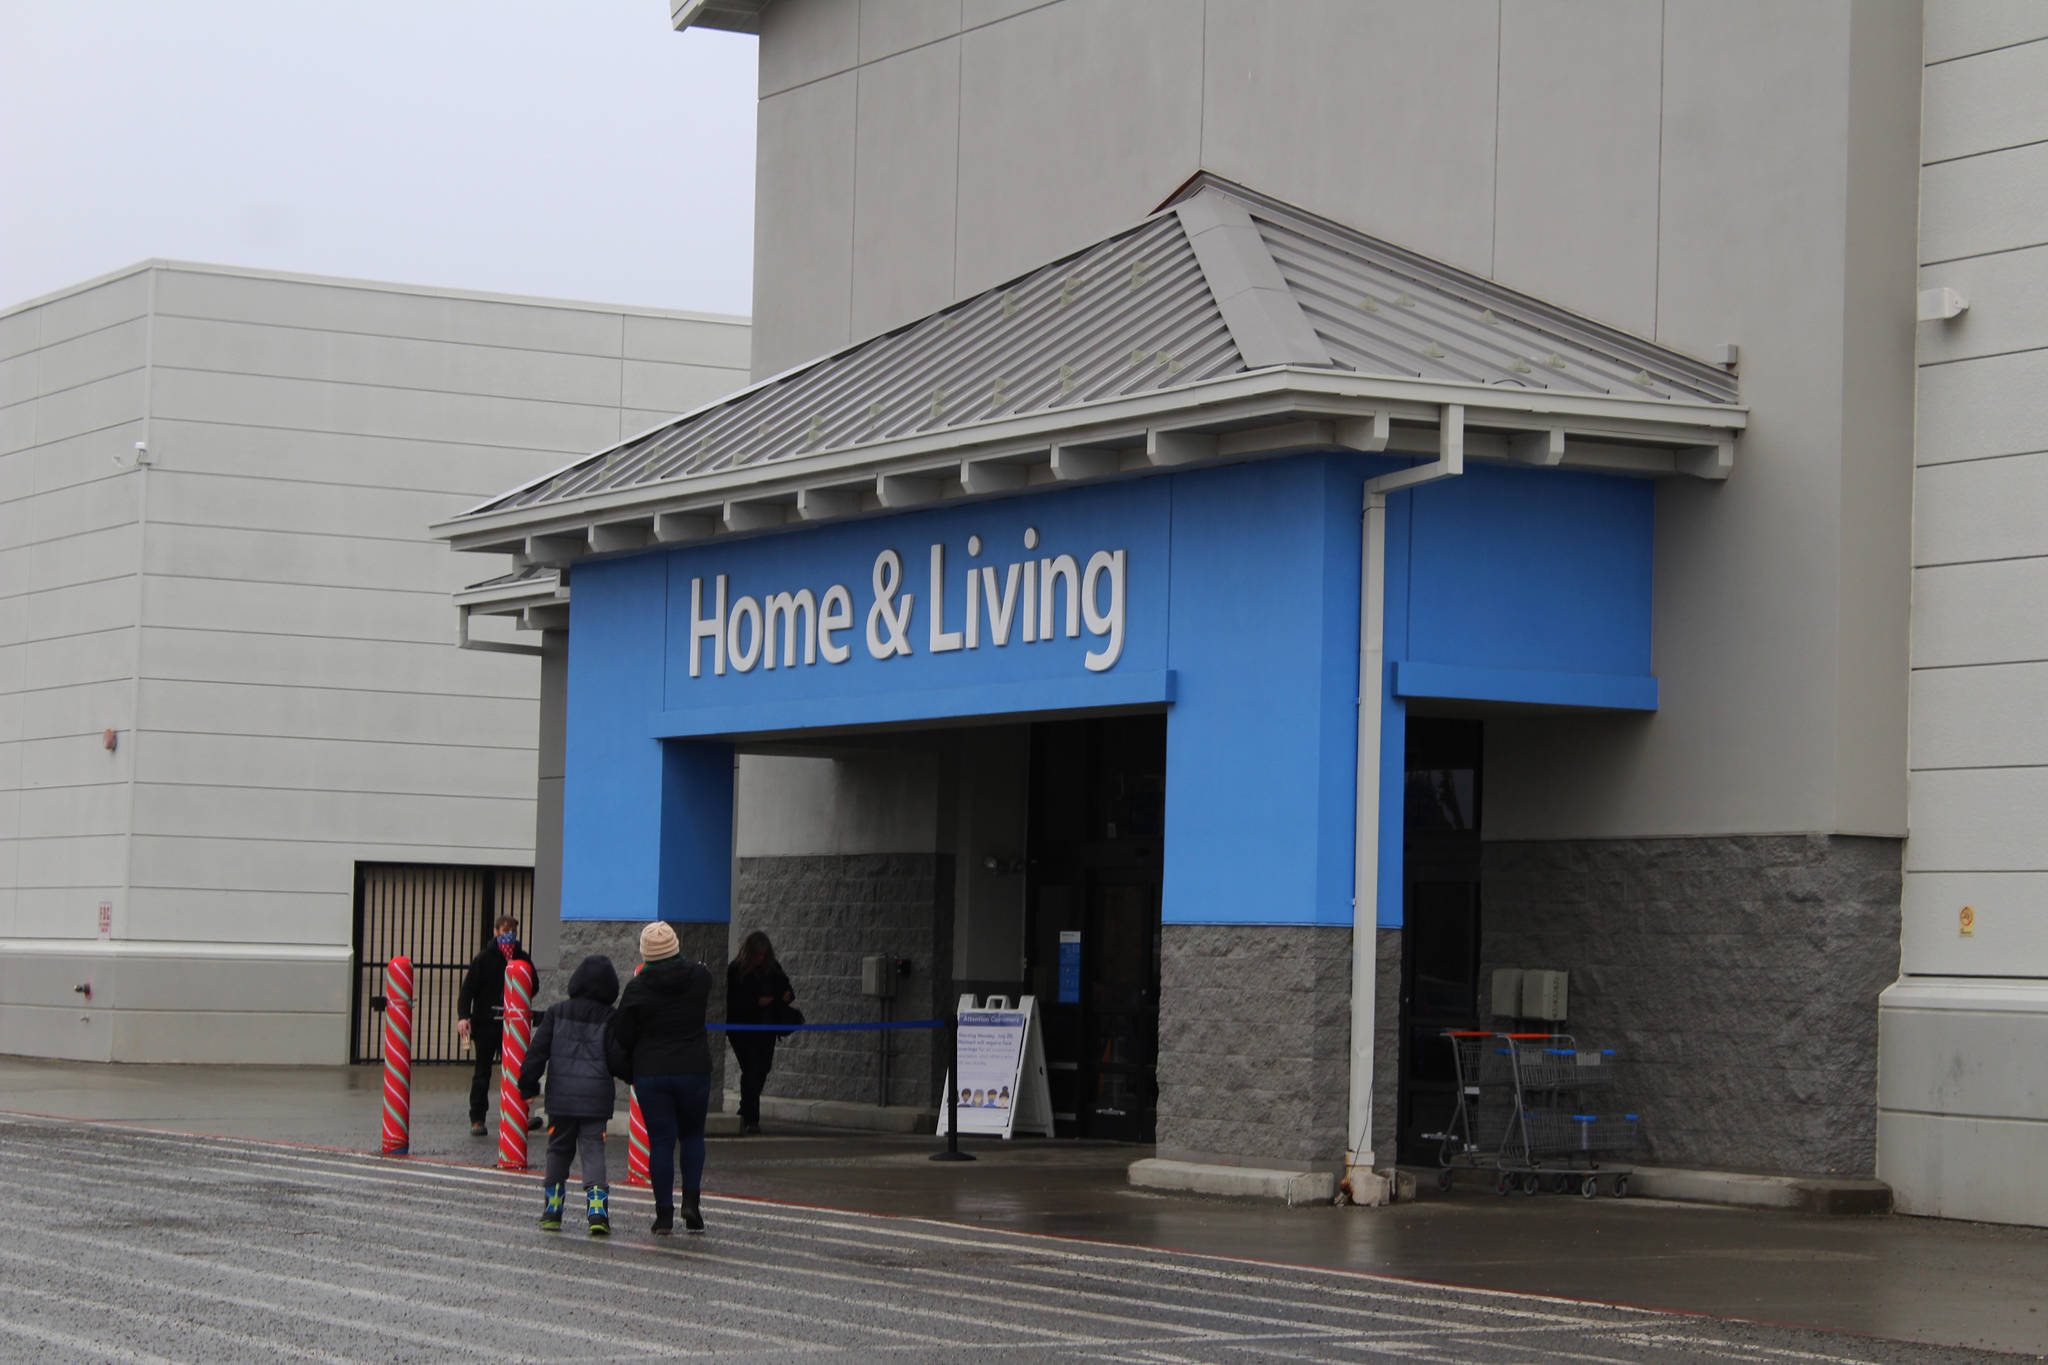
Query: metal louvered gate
(439, 917)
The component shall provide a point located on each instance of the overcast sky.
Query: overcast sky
(570, 148)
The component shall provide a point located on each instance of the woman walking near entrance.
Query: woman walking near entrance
(756, 992)
(657, 1042)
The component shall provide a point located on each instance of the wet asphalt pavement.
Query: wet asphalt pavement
(137, 1233)
(134, 1246)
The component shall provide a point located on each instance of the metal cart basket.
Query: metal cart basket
(1525, 1109)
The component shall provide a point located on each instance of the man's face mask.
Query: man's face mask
(508, 938)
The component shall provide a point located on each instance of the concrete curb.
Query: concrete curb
(1800, 1193)
(1243, 1182)
(1832, 1195)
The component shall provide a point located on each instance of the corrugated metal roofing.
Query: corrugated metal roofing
(1139, 313)
(1385, 311)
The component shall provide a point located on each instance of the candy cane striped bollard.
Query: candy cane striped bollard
(397, 1140)
(636, 1141)
(518, 1033)
(636, 1133)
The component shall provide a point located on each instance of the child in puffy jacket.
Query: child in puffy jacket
(569, 1048)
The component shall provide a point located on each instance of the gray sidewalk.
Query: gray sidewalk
(1921, 1280)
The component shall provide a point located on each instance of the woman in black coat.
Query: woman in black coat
(657, 1040)
(756, 992)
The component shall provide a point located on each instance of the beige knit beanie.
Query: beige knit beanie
(658, 941)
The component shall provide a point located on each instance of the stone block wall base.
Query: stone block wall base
(871, 1118)
(1241, 1182)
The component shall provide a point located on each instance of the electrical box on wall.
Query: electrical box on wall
(878, 976)
(1544, 995)
(1507, 992)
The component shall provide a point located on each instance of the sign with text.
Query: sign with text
(1001, 1087)
(1065, 590)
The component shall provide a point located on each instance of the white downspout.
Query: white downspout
(1359, 1182)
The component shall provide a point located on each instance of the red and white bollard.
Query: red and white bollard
(636, 1133)
(518, 1033)
(397, 1140)
(636, 1141)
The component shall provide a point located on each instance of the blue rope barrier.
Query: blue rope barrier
(824, 1028)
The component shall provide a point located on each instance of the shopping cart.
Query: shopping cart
(1522, 1111)
(1486, 1101)
(1552, 1137)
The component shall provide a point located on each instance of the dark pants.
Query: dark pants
(486, 1040)
(674, 1108)
(569, 1138)
(755, 1053)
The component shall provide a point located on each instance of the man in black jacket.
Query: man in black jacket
(480, 1011)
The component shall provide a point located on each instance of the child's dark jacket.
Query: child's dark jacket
(569, 1046)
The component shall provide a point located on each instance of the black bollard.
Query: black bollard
(953, 1152)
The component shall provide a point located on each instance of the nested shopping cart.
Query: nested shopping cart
(1529, 1108)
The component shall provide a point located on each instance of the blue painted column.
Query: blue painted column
(1261, 740)
(647, 823)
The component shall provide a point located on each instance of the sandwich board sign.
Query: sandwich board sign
(1001, 1087)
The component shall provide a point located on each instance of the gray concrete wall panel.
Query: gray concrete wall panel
(885, 802)
(2009, 934)
(1580, 113)
(1377, 113)
(1980, 613)
(388, 310)
(1113, 76)
(1951, 1166)
(1986, 716)
(242, 348)
(1981, 1062)
(1874, 574)
(721, 344)
(92, 307)
(908, 142)
(1983, 510)
(1986, 103)
(240, 657)
(888, 27)
(1982, 820)
(806, 40)
(2008, 295)
(803, 221)
(1996, 202)
(1989, 407)
(1957, 28)
(112, 350)
(657, 386)
(356, 409)
(452, 468)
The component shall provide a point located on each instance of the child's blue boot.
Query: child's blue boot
(551, 1211)
(596, 1205)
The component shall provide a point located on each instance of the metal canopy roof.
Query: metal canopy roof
(1226, 326)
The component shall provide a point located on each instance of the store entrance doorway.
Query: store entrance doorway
(1440, 909)
(1094, 866)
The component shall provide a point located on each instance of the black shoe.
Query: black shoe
(664, 1222)
(477, 1129)
(535, 1123)
(693, 1218)
(750, 1130)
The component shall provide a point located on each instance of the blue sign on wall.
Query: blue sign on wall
(1027, 603)
(1070, 967)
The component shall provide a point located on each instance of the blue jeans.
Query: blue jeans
(674, 1108)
